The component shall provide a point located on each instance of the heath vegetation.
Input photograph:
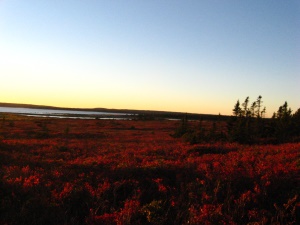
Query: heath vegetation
(244, 170)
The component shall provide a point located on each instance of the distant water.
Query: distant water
(60, 113)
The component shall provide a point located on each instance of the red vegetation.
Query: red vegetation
(64, 171)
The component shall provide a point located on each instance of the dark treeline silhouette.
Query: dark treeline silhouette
(247, 125)
(286, 126)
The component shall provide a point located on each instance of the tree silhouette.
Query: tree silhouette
(237, 111)
(283, 123)
(246, 111)
(258, 103)
(296, 123)
(247, 126)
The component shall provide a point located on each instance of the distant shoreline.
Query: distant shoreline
(142, 114)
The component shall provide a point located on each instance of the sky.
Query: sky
(171, 55)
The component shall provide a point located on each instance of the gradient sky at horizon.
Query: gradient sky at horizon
(186, 56)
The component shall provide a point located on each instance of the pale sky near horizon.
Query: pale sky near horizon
(185, 56)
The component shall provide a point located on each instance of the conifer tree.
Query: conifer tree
(296, 123)
(237, 111)
(253, 108)
(258, 103)
(245, 107)
(283, 124)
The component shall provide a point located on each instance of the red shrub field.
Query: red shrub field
(71, 171)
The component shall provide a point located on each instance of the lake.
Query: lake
(58, 113)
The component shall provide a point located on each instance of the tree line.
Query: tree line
(247, 125)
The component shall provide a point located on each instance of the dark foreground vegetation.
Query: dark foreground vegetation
(68, 171)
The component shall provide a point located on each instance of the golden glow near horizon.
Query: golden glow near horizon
(145, 56)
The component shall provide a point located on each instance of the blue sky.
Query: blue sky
(187, 56)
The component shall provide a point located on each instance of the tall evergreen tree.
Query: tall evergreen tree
(245, 107)
(237, 111)
(258, 103)
(253, 109)
(283, 124)
(296, 123)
